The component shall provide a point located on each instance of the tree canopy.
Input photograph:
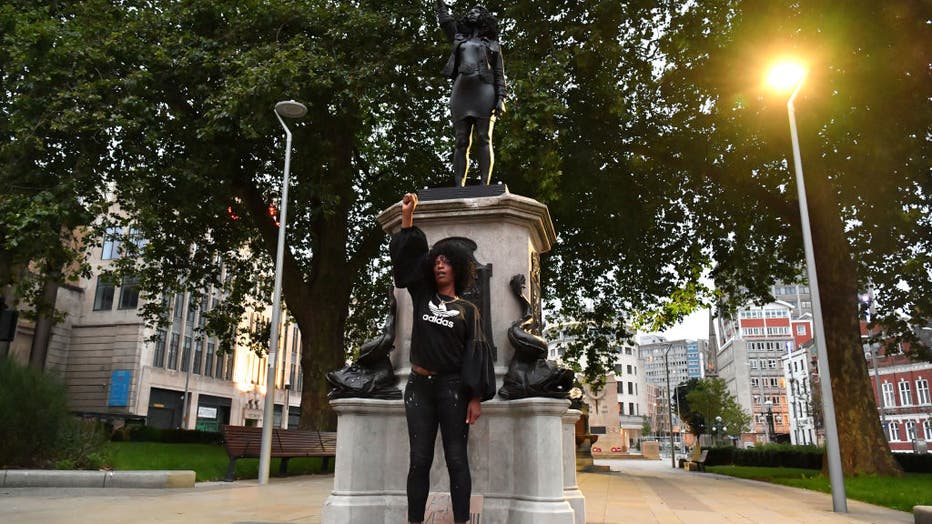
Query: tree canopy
(642, 125)
(701, 401)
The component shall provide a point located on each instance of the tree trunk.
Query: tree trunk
(864, 450)
(45, 319)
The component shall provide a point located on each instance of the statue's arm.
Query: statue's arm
(446, 20)
(501, 89)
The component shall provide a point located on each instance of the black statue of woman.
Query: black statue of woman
(478, 96)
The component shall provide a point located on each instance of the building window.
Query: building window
(158, 360)
(772, 364)
(906, 397)
(186, 353)
(129, 293)
(192, 308)
(229, 366)
(198, 355)
(631, 388)
(135, 236)
(618, 370)
(888, 399)
(778, 330)
(173, 352)
(894, 431)
(209, 359)
(801, 329)
(179, 306)
(922, 391)
(103, 296)
(632, 408)
(927, 429)
(111, 244)
(910, 430)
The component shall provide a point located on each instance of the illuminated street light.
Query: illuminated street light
(784, 76)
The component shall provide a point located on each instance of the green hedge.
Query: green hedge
(37, 431)
(912, 463)
(168, 436)
(772, 455)
(806, 457)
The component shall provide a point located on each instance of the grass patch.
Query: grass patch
(901, 493)
(208, 461)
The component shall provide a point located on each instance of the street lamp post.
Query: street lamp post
(288, 109)
(666, 365)
(792, 76)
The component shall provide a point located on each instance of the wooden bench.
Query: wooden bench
(246, 442)
(698, 464)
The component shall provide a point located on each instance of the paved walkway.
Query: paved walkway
(639, 492)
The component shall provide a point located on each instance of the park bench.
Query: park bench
(699, 463)
(246, 442)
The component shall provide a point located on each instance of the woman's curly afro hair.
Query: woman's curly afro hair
(460, 259)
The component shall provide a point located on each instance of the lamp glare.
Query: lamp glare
(785, 76)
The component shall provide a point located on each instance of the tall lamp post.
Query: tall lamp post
(787, 76)
(287, 109)
(666, 365)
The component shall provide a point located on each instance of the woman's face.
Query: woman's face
(443, 272)
(474, 14)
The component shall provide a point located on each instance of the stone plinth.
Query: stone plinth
(510, 232)
(521, 452)
(517, 455)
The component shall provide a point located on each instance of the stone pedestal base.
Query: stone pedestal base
(521, 456)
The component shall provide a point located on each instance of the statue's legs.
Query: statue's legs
(463, 130)
(484, 153)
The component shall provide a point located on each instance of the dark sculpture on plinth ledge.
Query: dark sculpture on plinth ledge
(372, 375)
(478, 72)
(530, 374)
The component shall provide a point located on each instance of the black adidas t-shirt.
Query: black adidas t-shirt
(442, 329)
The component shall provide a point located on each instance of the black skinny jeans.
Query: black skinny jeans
(432, 401)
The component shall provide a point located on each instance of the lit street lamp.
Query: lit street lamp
(287, 109)
(783, 77)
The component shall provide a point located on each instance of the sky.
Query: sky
(695, 326)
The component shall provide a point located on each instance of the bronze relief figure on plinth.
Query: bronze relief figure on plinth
(478, 97)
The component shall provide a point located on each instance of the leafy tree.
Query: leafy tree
(702, 400)
(642, 125)
(684, 171)
(56, 69)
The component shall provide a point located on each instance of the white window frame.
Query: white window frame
(894, 430)
(889, 398)
(800, 329)
(910, 430)
(927, 429)
(906, 396)
(922, 391)
(111, 244)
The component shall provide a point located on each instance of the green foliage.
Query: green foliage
(770, 455)
(806, 457)
(54, 145)
(900, 493)
(166, 436)
(209, 461)
(913, 463)
(82, 444)
(701, 401)
(34, 411)
(38, 430)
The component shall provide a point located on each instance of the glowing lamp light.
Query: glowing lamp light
(785, 76)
